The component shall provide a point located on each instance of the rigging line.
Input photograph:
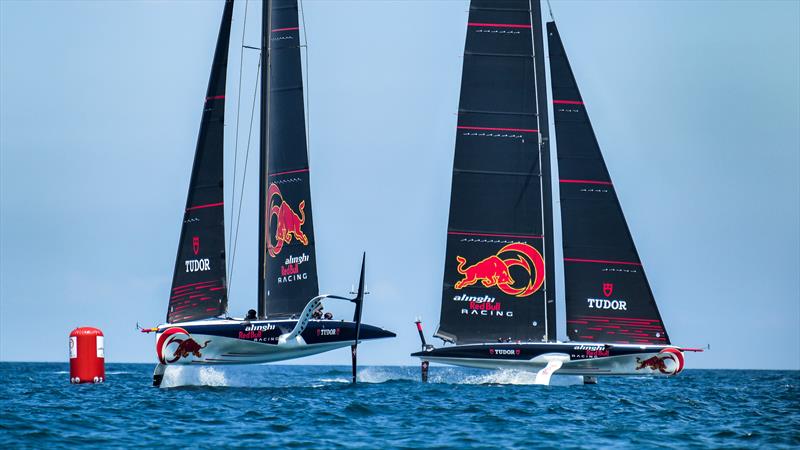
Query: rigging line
(236, 145)
(244, 174)
(306, 91)
(550, 9)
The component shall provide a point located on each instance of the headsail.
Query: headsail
(291, 266)
(198, 284)
(608, 297)
(498, 266)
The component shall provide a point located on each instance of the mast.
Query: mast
(266, 5)
(548, 252)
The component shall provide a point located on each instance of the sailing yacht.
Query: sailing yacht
(287, 323)
(499, 291)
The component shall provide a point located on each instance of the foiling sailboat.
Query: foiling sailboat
(287, 324)
(499, 291)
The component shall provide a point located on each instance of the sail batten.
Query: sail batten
(498, 252)
(608, 297)
(199, 288)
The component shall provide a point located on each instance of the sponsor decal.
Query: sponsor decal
(589, 351)
(606, 303)
(100, 344)
(505, 351)
(198, 265)
(256, 332)
(482, 305)
(589, 347)
(668, 361)
(290, 271)
(196, 245)
(288, 224)
(264, 327)
(328, 331)
(600, 303)
(494, 271)
(176, 343)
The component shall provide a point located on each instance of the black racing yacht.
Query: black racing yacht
(287, 323)
(498, 305)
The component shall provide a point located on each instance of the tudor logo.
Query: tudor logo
(504, 351)
(608, 289)
(328, 331)
(197, 265)
(196, 245)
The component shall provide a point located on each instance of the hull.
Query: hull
(576, 358)
(253, 342)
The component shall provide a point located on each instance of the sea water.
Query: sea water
(316, 407)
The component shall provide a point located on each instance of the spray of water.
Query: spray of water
(193, 376)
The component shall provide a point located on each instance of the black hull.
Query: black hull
(577, 358)
(254, 342)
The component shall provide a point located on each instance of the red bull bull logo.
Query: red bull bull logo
(668, 361)
(288, 224)
(176, 343)
(495, 270)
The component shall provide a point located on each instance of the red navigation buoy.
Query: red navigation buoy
(86, 356)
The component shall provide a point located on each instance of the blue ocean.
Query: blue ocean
(316, 407)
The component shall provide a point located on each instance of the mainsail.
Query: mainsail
(498, 277)
(290, 272)
(608, 298)
(198, 284)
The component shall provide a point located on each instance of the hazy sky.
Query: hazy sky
(696, 106)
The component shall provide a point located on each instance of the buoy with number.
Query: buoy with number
(86, 356)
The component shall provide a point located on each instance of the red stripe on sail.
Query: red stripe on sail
(193, 284)
(285, 29)
(619, 318)
(498, 25)
(608, 183)
(601, 261)
(209, 205)
(216, 97)
(521, 236)
(567, 102)
(520, 130)
(288, 172)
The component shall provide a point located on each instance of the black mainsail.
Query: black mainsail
(198, 284)
(608, 298)
(289, 271)
(498, 277)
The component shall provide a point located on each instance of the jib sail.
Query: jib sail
(198, 284)
(290, 271)
(608, 298)
(498, 264)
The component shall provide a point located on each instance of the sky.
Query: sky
(696, 106)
